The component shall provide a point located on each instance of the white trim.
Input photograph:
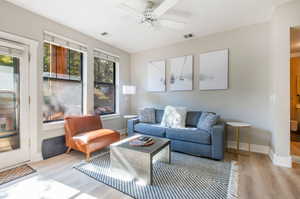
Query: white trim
(65, 38)
(106, 52)
(253, 147)
(282, 161)
(60, 124)
(33, 70)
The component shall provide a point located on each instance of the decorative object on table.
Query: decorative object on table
(174, 117)
(142, 141)
(181, 73)
(128, 117)
(147, 115)
(156, 76)
(187, 177)
(15, 173)
(237, 126)
(213, 70)
(207, 120)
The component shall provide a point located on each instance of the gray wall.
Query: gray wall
(247, 98)
(21, 22)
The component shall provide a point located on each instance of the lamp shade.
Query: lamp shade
(129, 90)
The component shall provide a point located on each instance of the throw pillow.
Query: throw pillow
(147, 115)
(174, 117)
(207, 120)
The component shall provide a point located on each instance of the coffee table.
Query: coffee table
(136, 161)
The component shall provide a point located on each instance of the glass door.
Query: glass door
(14, 106)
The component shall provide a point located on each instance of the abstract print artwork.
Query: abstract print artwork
(213, 70)
(156, 76)
(181, 73)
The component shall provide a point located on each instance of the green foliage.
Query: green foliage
(104, 71)
(6, 60)
(46, 57)
(74, 62)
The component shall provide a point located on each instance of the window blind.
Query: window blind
(65, 42)
(103, 55)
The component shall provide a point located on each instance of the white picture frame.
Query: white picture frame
(181, 77)
(156, 78)
(213, 70)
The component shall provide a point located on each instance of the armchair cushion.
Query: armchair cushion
(90, 136)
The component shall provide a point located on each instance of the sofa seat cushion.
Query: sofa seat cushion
(91, 136)
(150, 129)
(189, 135)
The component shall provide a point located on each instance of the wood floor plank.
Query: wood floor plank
(258, 178)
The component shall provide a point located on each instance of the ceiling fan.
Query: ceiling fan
(152, 14)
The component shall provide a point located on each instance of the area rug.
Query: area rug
(187, 177)
(15, 173)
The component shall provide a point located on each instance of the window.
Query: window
(105, 86)
(62, 84)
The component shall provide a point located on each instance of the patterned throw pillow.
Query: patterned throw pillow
(147, 115)
(174, 117)
(207, 120)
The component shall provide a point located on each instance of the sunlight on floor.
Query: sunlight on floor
(37, 188)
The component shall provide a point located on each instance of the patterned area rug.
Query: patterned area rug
(188, 177)
(15, 173)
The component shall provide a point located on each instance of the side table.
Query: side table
(128, 117)
(236, 127)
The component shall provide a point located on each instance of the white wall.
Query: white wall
(284, 17)
(247, 98)
(21, 22)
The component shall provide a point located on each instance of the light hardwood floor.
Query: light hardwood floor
(56, 179)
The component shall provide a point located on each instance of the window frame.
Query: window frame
(82, 64)
(114, 84)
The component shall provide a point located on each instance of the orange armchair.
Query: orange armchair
(86, 134)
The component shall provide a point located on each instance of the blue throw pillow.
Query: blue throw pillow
(207, 120)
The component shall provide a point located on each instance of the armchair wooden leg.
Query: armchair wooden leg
(69, 149)
(88, 155)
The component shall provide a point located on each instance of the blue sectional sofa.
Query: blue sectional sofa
(188, 140)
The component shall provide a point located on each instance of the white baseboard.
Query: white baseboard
(283, 161)
(36, 157)
(253, 147)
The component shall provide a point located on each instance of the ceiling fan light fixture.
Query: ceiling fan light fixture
(104, 34)
(188, 36)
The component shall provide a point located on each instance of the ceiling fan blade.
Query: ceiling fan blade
(171, 24)
(164, 7)
(130, 10)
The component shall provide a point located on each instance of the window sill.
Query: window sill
(60, 124)
(53, 125)
(110, 117)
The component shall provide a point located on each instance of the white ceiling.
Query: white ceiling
(202, 17)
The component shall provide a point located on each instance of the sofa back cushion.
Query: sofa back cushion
(159, 115)
(147, 115)
(207, 120)
(192, 118)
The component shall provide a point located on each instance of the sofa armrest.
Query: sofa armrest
(218, 141)
(130, 125)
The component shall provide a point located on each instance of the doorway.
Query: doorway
(14, 103)
(295, 92)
